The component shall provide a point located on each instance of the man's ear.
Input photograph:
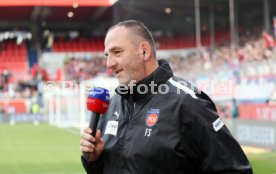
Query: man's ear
(146, 50)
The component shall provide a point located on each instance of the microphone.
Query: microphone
(97, 102)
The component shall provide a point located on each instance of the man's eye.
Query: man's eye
(117, 52)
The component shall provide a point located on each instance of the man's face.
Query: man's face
(124, 57)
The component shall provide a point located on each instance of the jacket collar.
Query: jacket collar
(160, 76)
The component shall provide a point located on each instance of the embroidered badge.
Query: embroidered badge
(152, 117)
(218, 124)
(111, 128)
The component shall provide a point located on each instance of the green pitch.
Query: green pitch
(43, 149)
(263, 163)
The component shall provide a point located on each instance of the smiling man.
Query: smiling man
(130, 53)
(175, 132)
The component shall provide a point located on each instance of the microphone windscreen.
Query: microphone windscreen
(98, 100)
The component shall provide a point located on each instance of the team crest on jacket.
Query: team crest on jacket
(152, 117)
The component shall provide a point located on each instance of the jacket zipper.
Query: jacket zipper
(127, 127)
(132, 112)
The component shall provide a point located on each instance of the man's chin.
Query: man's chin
(123, 82)
(126, 82)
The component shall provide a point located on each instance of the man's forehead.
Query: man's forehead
(112, 43)
(119, 35)
(114, 35)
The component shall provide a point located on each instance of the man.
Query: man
(156, 125)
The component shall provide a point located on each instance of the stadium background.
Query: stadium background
(52, 52)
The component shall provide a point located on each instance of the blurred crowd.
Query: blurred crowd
(22, 86)
(79, 69)
(252, 56)
(5, 80)
(25, 86)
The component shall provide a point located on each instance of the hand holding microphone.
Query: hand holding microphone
(91, 144)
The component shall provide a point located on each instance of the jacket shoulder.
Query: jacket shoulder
(188, 93)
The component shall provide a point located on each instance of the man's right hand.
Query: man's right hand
(94, 145)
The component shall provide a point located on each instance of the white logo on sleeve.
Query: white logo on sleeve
(117, 114)
(217, 125)
(111, 128)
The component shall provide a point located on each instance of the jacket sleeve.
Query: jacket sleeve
(212, 142)
(95, 167)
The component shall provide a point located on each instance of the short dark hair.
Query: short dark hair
(140, 29)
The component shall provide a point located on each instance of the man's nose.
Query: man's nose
(110, 63)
